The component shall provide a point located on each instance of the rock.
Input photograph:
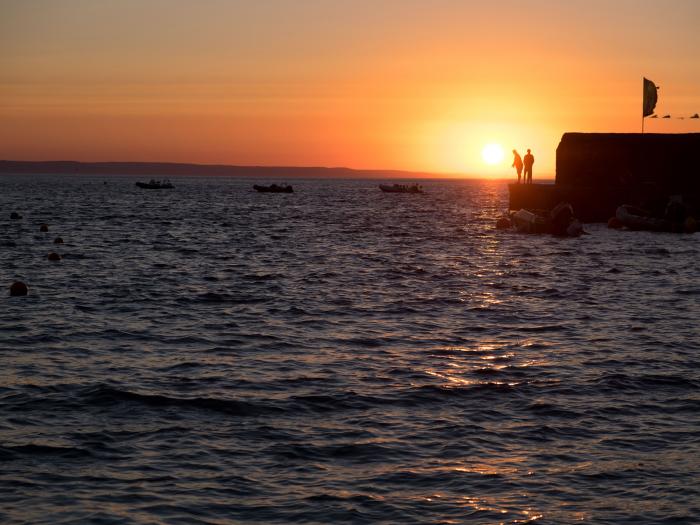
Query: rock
(18, 288)
(560, 218)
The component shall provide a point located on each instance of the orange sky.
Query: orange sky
(405, 84)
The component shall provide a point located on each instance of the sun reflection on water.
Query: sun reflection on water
(509, 510)
(484, 363)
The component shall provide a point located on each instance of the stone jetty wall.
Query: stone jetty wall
(669, 162)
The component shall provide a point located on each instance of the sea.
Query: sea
(213, 355)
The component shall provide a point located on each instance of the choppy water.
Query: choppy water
(213, 355)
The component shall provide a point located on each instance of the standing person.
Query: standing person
(529, 161)
(517, 164)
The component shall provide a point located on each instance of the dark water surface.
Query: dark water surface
(338, 355)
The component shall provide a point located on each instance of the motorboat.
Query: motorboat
(526, 221)
(560, 221)
(401, 188)
(274, 188)
(635, 218)
(155, 185)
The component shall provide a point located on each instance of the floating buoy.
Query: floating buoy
(15, 216)
(58, 240)
(53, 256)
(44, 228)
(614, 223)
(503, 223)
(18, 288)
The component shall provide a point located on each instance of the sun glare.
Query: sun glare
(492, 154)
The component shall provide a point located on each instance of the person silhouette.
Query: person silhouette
(529, 161)
(517, 164)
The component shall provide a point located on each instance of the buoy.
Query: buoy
(58, 240)
(18, 288)
(44, 228)
(614, 223)
(15, 216)
(503, 223)
(691, 225)
(53, 256)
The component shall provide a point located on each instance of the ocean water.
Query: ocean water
(213, 355)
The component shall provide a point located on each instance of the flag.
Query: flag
(650, 96)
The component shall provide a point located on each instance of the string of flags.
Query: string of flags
(681, 118)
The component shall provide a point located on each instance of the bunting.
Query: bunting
(694, 116)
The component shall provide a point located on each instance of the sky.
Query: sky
(376, 84)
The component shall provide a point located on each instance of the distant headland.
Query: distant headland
(170, 169)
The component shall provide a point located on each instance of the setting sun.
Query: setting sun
(492, 154)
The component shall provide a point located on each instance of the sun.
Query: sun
(492, 154)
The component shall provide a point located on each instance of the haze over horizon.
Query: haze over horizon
(396, 85)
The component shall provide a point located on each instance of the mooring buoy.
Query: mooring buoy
(18, 288)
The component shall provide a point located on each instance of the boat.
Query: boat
(526, 221)
(401, 188)
(274, 188)
(560, 221)
(155, 185)
(635, 218)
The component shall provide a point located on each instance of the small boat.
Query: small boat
(401, 188)
(635, 218)
(560, 221)
(274, 188)
(155, 185)
(526, 221)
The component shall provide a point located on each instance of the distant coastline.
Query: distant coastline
(175, 169)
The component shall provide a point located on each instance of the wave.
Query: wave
(365, 452)
(645, 382)
(221, 298)
(109, 397)
(9, 453)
